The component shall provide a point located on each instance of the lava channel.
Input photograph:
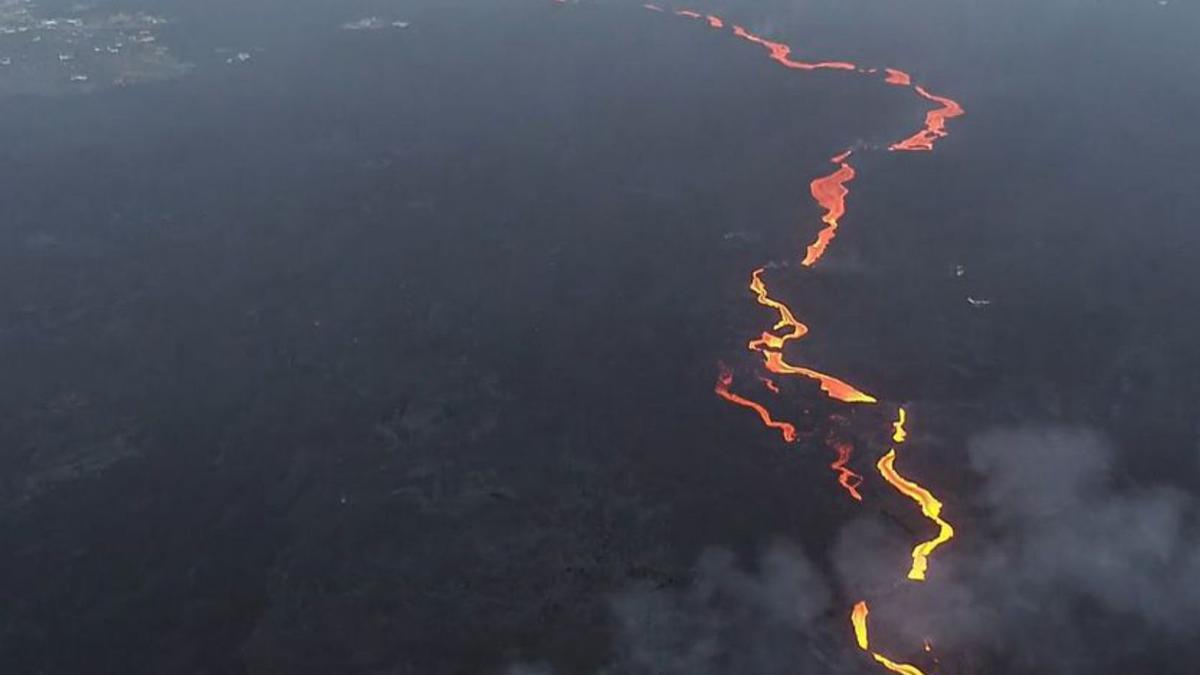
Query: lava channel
(830, 192)
(770, 345)
(858, 619)
(935, 123)
(930, 506)
(781, 53)
(899, 434)
(725, 380)
(848, 479)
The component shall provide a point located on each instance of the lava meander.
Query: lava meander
(770, 346)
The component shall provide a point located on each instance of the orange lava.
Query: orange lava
(835, 388)
(897, 77)
(930, 507)
(780, 53)
(770, 345)
(858, 619)
(838, 159)
(846, 478)
(796, 330)
(830, 192)
(935, 123)
(769, 384)
(725, 379)
(898, 431)
(902, 668)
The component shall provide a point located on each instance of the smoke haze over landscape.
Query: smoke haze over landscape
(412, 337)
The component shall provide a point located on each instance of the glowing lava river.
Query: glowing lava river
(830, 192)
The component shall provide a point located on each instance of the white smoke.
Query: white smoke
(1058, 568)
(1062, 571)
(730, 620)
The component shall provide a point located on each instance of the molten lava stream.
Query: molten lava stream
(830, 192)
(780, 53)
(769, 384)
(796, 330)
(935, 123)
(725, 380)
(897, 77)
(898, 431)
(770, 345)
(835, 388)
(930, 506)
(858, 619)
(848, 479)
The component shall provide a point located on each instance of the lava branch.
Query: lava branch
(847, 478)
(898, 431)
(935, 122)
(767, 340)
(858, 619)
(781, 53)
(930, 506)
(830, 193)
(725, 380)
(769, 384)
(835, 388)
(897, 77)
(770, 345)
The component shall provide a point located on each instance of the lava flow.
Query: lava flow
(898, 432)
(858, 618)
(769, 384)
(770, 345)
(781, 53)
(725, 379)
(830, 192)
(935, 123)
(897, 77)
(768, 340)
(930, 506)
(835, 388)
(847, 478)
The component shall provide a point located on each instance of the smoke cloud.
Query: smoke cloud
(731, 620)
(1059, 567)
(1061, 570)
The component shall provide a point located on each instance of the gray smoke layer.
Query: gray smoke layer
(731, 620)
(1057, 568)
(1062, 571)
